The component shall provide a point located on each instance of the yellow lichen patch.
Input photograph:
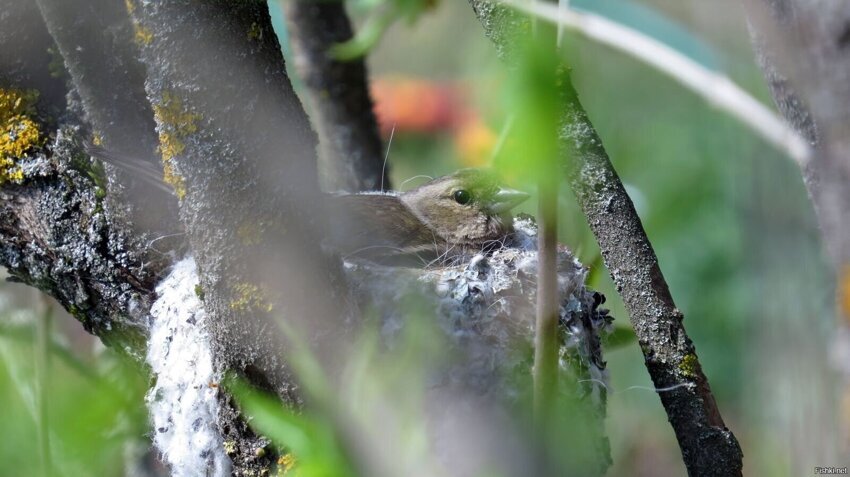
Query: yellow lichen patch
(285, 463)
(174, 179)
(689, 365)
(141, 35)
(175, 124)
(255, 32)
(843, 294)
(97, 139)
(170, 146)
(18, 132)
(229, 447)
(175, 119)
(248, 296)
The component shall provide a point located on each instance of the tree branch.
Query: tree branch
(96, 39)
(802, 49)
(240, 152)
(56, 232)
(546, 329)
(55, 235)
(708, 447)
(30, 63)
(350, 156)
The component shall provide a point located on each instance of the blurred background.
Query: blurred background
(727, 214)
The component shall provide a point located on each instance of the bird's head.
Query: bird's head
(469, 206)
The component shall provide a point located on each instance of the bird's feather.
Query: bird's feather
(138, 168)
(380, 227)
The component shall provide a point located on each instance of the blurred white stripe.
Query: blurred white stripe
(717, 89)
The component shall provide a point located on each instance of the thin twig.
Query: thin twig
(546, 336)
(42, 371)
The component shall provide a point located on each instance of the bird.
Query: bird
(442, 222)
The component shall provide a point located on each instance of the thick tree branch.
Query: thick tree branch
(57, 237)
(350, 156)
(96, 41)
(30, 63)
(802, 48)
(56, 232)
(708, 447)
(240, 152)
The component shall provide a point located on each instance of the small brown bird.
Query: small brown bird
(443, 221)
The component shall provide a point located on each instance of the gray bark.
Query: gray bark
(34, 63)
(56, 235)
(708, 446)
(95, 39)
(56, 231)
(802, 47)
(244, 164)
(350, 156)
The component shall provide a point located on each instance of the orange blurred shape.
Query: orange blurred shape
(474, 143)
(415, 105)
(422, 106)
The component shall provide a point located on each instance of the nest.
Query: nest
(485, 307)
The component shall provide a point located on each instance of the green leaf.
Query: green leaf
(621, 337)
(534, 98)
(383, 14)
(312, 439)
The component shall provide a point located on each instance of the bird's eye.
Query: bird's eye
(462, 197)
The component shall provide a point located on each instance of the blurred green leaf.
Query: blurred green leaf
(93, 415)
(383, 13)
(622, 336)
(596, 268)
(365, 39)
(310, 438)
(533, 97)
(24, 334)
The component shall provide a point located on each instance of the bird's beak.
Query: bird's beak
(505, 200)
